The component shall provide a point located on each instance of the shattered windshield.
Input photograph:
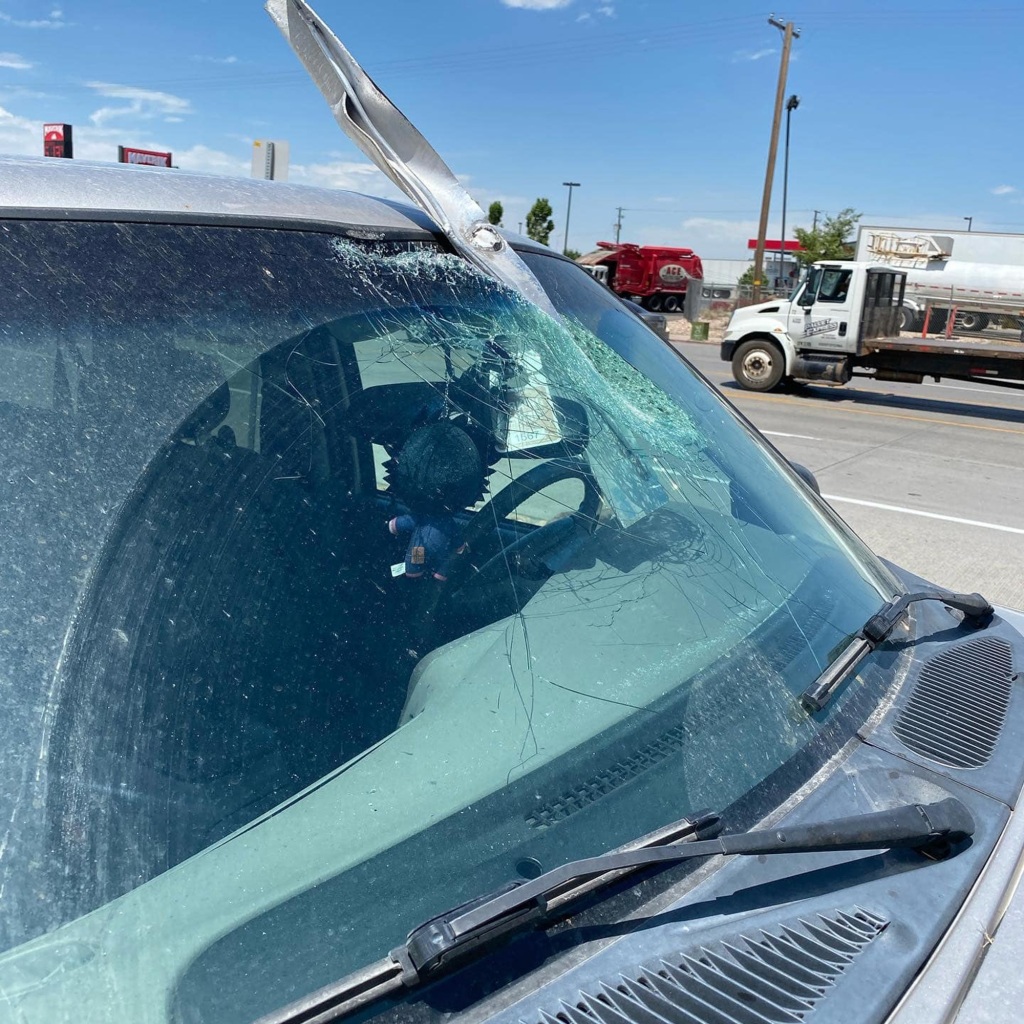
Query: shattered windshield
(341, 585)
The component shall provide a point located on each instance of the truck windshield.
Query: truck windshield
(338, 582)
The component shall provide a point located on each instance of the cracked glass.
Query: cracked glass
(339, 583)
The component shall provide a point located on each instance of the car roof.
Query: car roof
(40, 183)
(48, 186)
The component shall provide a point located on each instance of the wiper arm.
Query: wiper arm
(449, 939)
(977, 611)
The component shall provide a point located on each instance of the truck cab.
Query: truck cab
(838, 307)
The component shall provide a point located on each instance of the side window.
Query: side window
(835, 285)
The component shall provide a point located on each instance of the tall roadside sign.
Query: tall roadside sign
(270, 160)
(57, 140)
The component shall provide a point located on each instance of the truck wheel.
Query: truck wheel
(909, 320)
(670, 304)
(653, 303)
(970, 321)
(758, 365)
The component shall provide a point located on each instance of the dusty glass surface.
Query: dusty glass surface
(344, 552)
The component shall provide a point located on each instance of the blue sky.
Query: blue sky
(909, 112)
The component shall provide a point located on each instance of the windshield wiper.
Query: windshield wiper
(977, 612)
(449, 939)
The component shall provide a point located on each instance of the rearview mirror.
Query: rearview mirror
(547, 426)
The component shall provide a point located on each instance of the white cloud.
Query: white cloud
(22, 136)
(713, 238)
(215, 60)
(55, 20)
(537, 5)
(602, 7)
(19, 135)
(1002, 190)
(17, 92)
(355, 176)
(13, 60)
(142, 103)
(209, 161)
(744, 55)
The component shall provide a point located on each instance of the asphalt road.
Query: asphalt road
(931, 476)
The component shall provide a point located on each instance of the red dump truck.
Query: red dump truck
(656, 276)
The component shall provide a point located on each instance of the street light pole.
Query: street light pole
(570, 185)
(791, 104)
(970, 221)
(789, 34)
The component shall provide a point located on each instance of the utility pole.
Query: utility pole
(618, 224)
(788, 34)
(791, 104)
(568, 210)
(815, 227)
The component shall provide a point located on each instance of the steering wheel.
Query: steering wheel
(524, 555)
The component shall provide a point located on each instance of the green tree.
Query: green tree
(573, 254)
(829, 240)
(495, 212)
(539, 224)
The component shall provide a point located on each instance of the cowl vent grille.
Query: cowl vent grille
(957, 707)
(771, 977)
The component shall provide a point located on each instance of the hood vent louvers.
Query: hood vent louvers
(771, 977)
(957, 706)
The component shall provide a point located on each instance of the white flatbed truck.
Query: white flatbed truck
(843, 321)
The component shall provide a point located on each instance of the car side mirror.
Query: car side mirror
(807, 476)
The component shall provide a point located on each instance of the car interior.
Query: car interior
(244, 632)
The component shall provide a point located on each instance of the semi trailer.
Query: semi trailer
(975, 276)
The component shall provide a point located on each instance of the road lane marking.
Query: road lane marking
(1007, 392)
(778, 433)
(884, 415)
(919, 512)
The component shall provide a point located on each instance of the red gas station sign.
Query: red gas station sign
(774, 244)
(57, 140)
(146, 157)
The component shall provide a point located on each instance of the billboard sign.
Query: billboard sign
(146, 157)
(57, 140)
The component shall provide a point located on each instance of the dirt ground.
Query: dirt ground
(679, 326)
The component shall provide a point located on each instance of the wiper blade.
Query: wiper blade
(977, 612)
(451, 938)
